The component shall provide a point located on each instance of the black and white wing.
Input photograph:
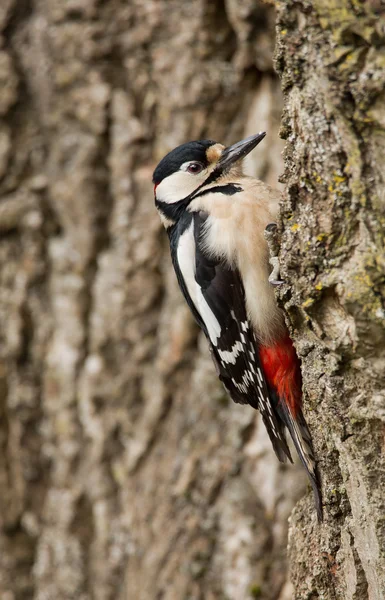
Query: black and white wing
(215, 294)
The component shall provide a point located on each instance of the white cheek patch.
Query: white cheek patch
(186, 262)
(177, 186)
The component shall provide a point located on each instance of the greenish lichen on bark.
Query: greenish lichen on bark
(330, 56)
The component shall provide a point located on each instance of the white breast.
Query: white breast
(234, 232)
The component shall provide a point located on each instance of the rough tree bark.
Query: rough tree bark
(331, 56)
(125, 472)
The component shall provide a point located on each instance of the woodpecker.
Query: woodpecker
(215, 217)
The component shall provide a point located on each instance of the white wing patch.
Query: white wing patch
(187, 266)
(209, 319)
(186, 260)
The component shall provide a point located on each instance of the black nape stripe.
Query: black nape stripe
(229, 189)
(214, 175)
(175, 210)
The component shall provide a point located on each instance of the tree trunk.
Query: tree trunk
(125, 473)
(332, 61)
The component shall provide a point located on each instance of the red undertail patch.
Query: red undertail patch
(281, 367)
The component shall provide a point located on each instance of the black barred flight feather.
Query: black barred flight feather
(215, 294)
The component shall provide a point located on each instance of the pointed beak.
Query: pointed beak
(237, 151)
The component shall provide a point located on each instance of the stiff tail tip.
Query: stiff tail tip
(300, 435)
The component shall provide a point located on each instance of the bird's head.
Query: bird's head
(190, 167)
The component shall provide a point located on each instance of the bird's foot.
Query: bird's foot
(271, 237)
(274, 277)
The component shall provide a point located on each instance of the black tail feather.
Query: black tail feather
(279, 442)
(301, 437)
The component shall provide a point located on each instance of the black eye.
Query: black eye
(195, 168)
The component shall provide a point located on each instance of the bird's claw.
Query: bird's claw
(274, 275)
(271, 228)
(271, 237)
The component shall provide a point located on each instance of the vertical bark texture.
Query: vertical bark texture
(125, 473)
(331, 57)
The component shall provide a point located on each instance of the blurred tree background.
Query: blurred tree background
(125, 471)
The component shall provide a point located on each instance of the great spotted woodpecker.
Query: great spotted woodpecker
(215, 217)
